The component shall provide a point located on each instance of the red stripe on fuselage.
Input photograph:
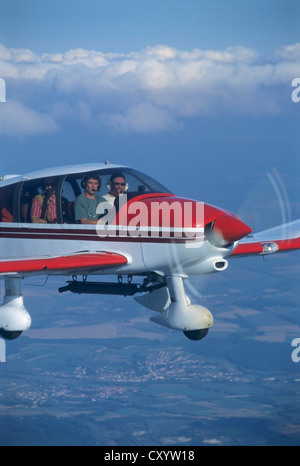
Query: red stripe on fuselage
(92, 235)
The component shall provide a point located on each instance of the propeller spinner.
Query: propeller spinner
(224, 228)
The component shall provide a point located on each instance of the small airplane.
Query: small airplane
(100, 219)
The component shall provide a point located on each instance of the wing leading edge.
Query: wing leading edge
(80, 262)
(280, 239)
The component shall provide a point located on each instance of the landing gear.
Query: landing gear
(9, 335)
(179, 314)
(14, 319)
(196, 335)
(164, 295)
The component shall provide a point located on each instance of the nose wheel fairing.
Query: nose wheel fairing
(193, 320)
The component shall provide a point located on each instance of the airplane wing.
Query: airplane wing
(69, 264)
(280, 239)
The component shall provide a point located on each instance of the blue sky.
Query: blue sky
(123, 26)
(187, 90)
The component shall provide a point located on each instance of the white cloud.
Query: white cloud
(143, 117)
(289, 52)
(17, 120)
(151, 90)
(4, 53)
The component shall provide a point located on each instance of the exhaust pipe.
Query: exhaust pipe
(220, 265)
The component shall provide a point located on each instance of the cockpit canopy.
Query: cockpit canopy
(17, 196)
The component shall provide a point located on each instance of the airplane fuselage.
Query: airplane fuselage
(111, 220)
(155, 230)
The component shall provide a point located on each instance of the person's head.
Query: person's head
(50, 186)
(117, 184)
(91, 184)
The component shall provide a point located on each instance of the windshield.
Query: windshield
(144, 183)
(137, 183)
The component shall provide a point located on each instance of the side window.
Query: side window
(29, 191)
(70, 191)
(39, 202)
(6, 204)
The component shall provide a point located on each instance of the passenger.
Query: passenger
(43, 209)
(6, 204)
(6, 216)
(85, 205)
(117, 187)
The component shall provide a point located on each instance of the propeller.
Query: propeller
(268, 205)
(265, 206)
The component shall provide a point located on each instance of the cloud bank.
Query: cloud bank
(156, 89)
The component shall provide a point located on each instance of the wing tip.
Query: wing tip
(263, 248)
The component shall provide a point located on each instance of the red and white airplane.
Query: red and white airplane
(102, 219)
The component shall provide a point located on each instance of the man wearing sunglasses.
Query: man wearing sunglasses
(117, 186)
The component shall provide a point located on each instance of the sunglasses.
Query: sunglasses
(118, 184)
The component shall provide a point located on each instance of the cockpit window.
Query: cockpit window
(136, 184)
(52, 200)
(145, 184)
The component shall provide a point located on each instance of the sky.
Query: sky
(197, 93)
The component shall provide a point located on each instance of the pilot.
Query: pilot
(43, 209)
(117, 187)
(85, 205)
